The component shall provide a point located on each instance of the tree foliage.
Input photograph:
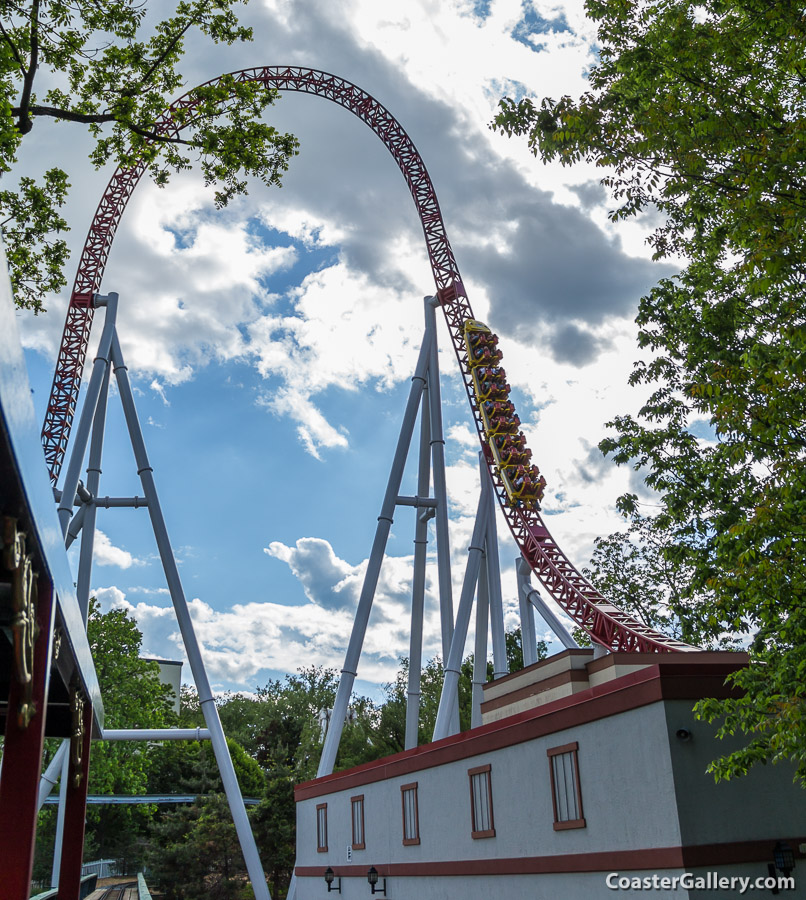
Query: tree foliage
(635, 570)
(113, 68)
(196, 854)
(134, 697)
(697, 110)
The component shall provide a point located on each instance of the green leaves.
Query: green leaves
(117, 82)
(133, 697)
(698, 109)
(32, 222)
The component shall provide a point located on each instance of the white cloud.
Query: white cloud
(105, 553)
(199, 285)
(336, 337)
(159, 390)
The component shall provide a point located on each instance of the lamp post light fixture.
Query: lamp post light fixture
(372, 878)
(330, 877)
(784, 857)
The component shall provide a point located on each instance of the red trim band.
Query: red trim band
(651, 859)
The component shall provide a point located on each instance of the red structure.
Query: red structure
(606, 624)
(48, 685)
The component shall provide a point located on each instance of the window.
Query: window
(357, 805)
(565, 791)
(411, 814)
(321, 828)
(481, 802)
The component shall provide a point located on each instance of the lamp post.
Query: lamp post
(330, 877)
(372, 878)
(784, 857)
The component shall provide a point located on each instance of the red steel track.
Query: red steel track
(605, 623)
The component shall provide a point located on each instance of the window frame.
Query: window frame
(487, 832)
(404, 789)
(572, 750)
(321, 845)
(354, 801)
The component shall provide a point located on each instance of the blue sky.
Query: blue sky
(271, 344)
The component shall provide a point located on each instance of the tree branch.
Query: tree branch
(14, 50)
(99, 119)
(24, 125)
(160, 59)
(69, 115)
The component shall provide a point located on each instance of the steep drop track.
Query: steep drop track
(605, 623)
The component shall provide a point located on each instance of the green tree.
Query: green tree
(195, 853)
(134, 697)
(274, 826)
(697, 111)
(635, 570)
(391, 727)
(114, 69)
(183, 767)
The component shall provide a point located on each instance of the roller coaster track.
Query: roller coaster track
(605, 623)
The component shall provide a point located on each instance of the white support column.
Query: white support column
(93, 483)
(59, 839)
(82, 433)
(348, 672)
(480, 651)
(192, 648)
(441, 495)
(440, 489)
(528, 633)
(448, 701)
(156, 734)
(51, 775)
(418, 581)
(534, 598)
(493, 573)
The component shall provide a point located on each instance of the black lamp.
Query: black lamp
(330, 877)
(784, 857)
(372, 878)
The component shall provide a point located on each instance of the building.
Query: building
(584, 770)
(171, 676)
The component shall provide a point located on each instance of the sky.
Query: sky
(271, 345)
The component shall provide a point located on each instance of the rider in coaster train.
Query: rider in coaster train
(527, 480)
(482, 337)
(489, 354)
(504, 423)
(517, 457)
(498, 408)
(493, 382)
(511, 443)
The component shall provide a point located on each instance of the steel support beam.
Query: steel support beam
(418, 581)
(492, 569)
(156, 734)
(51, 775)
(192, 648)
(385, 519)
(480, 651)
(93, 482)
(528, 634)
(562, 633)
(448, 705)
(99, 367)
(58, 841)
(440, 489)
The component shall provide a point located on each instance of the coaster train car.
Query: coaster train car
(523, 483)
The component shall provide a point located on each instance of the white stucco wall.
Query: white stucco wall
(642, 789)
